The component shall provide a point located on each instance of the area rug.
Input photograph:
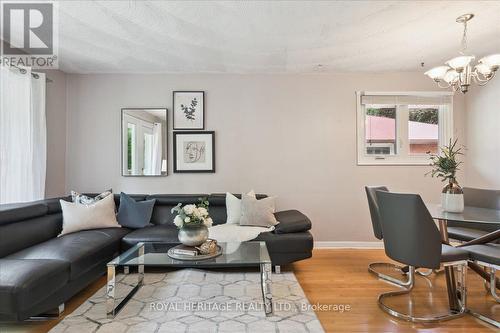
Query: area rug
(193, 300)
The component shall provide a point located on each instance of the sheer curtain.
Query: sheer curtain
(157, 150)
(23, 136)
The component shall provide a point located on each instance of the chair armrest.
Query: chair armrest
(291, 221)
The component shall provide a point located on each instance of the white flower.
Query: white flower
(187, 219)
(189, 209)
(203, 211)
(208, 222)
(197, 213)
(178, 221)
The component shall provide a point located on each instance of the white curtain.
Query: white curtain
(157, 150)
(23, 136)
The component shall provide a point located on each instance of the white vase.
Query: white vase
(452, 198)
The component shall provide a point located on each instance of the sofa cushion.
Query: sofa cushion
(83, 249)
(287, 243)
(159, 233)
(291, 221)
(165, 202)
(20, 235)
(23, 283)
(10, 213)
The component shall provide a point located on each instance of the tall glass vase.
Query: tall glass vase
(452, 197)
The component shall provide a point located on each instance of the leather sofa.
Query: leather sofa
(39, 271)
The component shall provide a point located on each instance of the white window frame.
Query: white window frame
(402, 156)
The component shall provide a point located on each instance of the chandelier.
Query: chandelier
(458, 73)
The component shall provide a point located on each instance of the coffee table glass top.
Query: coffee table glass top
(233, 254)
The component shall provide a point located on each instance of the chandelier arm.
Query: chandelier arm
(443, 87)
(482, 82)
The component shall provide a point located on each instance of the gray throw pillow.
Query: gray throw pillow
(258, 213)
(87, 200)
(134, 214)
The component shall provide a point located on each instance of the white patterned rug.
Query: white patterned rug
(193, 300)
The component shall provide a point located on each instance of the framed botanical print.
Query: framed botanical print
(189, 110)
(194, 151)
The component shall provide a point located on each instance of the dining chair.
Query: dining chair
(377, 232)
(475, 197)
(487, 255)
(412, 238)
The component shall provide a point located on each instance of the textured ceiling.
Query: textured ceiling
(268, 37)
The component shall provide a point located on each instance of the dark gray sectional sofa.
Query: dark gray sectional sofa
(39, 271)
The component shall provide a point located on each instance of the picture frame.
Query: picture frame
(188, 110)
(194, 151)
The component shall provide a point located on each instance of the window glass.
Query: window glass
(380, 130)
(423, 129)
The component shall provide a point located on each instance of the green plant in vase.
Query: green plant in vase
(445, 166)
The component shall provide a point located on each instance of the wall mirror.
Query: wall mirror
(144, 142)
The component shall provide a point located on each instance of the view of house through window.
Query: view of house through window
(423, 129)
(380, 130)
(402, 129)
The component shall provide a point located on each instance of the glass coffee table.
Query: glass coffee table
(245, 254)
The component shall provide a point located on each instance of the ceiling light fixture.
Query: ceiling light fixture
(458, 73)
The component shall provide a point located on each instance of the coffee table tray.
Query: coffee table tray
(199, 257)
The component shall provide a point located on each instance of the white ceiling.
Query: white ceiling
(268, 36)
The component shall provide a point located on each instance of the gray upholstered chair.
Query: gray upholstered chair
(377, 232)
(475, 197)
(412, 238)
(487, 255)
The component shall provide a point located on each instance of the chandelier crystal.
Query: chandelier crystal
(459, 72)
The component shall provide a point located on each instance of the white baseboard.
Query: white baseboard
(348, 245)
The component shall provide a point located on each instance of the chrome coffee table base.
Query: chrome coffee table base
(155, 254)
(112, 308)
(267, 296)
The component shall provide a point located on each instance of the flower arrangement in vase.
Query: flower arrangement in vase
(445, 166)
(193, 221)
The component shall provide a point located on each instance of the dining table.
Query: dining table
(470, 216)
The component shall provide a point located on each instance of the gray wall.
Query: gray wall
(483, 135)
(293, 136)
(55, 183)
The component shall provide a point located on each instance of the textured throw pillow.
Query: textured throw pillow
(258, 213)
(233, 207)
(78, 217)
(134, 214)
(86, 200)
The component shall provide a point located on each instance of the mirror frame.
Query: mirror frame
(165, 140)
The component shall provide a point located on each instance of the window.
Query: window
(402, 128)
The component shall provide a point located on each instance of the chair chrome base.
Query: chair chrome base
(395, 267)
(408, 286)
(492, 290)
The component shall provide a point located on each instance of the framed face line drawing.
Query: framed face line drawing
(189, 110)
(194, 151)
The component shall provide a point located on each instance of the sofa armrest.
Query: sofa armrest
(291, 221)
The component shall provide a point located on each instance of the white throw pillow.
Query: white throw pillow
(259, 213)
(78, 217)
(233, 207)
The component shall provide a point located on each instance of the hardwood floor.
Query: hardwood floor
(339, 277)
